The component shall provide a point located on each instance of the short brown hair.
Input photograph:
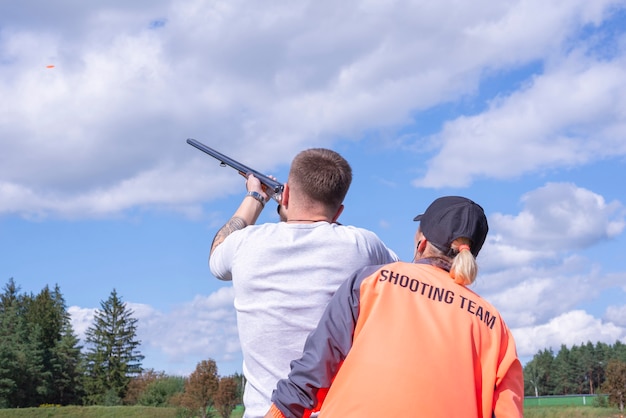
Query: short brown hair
(321, 174)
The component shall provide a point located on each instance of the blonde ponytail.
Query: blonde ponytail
(464, 268)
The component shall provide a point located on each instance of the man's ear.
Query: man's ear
(337, 214)
(284, 200)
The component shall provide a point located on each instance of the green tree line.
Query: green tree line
(43, 363)
(582, 369)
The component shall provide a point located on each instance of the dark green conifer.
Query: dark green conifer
(112, 357)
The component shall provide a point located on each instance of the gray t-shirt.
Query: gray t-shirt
(283, 276)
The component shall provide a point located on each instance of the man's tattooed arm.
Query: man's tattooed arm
(234, 224)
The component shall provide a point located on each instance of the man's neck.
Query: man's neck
(307, 221)
(306, 216)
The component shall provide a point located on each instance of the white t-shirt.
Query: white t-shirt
(283, 276)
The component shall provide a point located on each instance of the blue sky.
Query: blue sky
(519, 105)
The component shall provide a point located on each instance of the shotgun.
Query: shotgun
(273, 188)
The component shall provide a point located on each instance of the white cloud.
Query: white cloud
(93, 135)
(532, 268)
(82, 318)
(201, 329)
(617, 315)
(570, 328)
(532, 294)
(572, 114)
(559, 217)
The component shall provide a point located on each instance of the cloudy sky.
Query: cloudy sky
(517, 104)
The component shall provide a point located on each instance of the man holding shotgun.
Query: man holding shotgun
(285, 273)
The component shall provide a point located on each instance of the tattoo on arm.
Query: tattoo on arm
(234, 224)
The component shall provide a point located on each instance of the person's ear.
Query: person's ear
(421, 244)
(284, 200)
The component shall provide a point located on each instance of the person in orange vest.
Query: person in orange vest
(411, 339)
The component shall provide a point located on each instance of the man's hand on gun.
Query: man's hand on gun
(254, 185)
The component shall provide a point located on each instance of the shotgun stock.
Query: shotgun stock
(273, 188)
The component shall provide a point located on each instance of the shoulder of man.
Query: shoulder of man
(246, 232)
(359, 230)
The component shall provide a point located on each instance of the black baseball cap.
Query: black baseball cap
(452, 217)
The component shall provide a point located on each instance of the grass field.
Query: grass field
(98, 412)
(576, 406)
(90, 412)
(550, 411)
(566, 400)
(570, 412)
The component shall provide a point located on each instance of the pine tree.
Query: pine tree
(567, 371)
(60, 350)
(112, 357)
(8, 343)
(67, 368)
(9, 349)
(619, 351)
(537, 374)
(21, 354)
